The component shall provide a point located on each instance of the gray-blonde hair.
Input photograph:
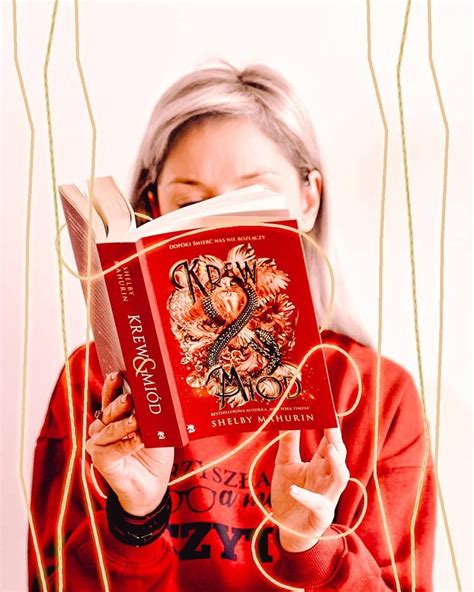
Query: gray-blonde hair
(262, 95)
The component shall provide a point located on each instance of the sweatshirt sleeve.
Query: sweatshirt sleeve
(361, 560)
(140, 568)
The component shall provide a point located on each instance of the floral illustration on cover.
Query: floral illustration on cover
(235, 325)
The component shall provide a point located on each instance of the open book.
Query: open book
(208, 329)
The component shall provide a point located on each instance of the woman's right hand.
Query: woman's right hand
(138, 475)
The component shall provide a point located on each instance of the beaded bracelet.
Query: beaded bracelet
(137, 530)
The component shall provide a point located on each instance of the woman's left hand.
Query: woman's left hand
(320, 482)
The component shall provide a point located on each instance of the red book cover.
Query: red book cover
(156, 406)
(234, 317)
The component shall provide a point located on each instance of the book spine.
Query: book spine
(157, 319)
(159, 415)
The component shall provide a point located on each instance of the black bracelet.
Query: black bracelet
(137, 530)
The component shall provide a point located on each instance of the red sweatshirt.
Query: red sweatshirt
(207, 545)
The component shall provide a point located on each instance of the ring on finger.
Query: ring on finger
(98, 415)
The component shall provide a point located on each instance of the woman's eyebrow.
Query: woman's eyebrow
(257, 174)
(196, 183)
(184, 181)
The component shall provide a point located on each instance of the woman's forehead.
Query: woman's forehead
(234, 146)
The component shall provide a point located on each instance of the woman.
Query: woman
(213, 131)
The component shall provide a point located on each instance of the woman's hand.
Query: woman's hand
(139, 476)
(320, 482)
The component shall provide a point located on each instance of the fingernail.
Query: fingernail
(131, 435)
(295, 490)
(113, 375)
(123, 398)
(130, 419)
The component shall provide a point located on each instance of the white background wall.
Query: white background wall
(130, 53)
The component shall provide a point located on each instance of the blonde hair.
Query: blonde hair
(262, 95)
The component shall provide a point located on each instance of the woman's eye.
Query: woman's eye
(188, 203)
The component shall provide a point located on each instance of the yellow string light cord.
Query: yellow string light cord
(262, 451)
(26, 307)
(384, 122)
(441, 299)
(415, 304)
(67, 485)
(378, 489)
(71, 461)
(265, 574)
(355, 367)
(85, 406)
(269, 515)
(143, 216)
